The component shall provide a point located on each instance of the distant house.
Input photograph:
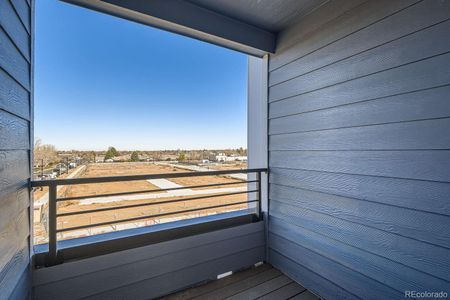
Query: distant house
(48, 175)
(169, 157)
(122, 158)
(222, 157)
(109, 160)
(60, 168)
(241, 158)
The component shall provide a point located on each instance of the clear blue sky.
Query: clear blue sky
(102, 81)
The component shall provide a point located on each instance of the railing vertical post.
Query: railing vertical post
(52, 239)
(258, 179)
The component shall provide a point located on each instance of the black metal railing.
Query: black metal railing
(53, 199)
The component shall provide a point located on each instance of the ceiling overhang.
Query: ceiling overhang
(188, 19)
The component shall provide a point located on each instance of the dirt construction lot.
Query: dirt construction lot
(230, 166)
(120, 169)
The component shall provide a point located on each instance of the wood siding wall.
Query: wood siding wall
(15, 124)
(359, 149)
(155, 270)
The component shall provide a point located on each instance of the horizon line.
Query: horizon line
(179, 149)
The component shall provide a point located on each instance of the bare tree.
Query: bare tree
(44, 154)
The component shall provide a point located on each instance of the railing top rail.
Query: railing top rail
(39, 183)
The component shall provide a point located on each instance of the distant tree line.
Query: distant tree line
(134, 156)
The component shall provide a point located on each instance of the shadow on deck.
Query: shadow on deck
(263, 282)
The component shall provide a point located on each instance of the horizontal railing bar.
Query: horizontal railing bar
(151, 191)
(69, 181)
(152, 216)
(150, 203)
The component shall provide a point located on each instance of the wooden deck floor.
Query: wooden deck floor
(263, 282)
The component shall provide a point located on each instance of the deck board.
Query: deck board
(306, 295)
(241, 286)
(262, 289)
(217, 284)
(286, 292)
(263, 282)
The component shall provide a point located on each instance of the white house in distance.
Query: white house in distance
(222, 157)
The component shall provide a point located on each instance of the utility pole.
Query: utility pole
(42, 172)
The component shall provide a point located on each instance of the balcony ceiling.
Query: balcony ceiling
(249, 26)
(270, 15)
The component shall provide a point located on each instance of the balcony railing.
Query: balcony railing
(253, 187)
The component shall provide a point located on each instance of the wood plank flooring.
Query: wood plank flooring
(262, 282)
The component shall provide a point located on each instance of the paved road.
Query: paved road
(241, 176)
(167, 184)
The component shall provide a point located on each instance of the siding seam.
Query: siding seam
(14, 114)
(358, 53)
(15, 79)
(14, 43)
(355, 222)
(18, 16)
(287, 257)
(299, 39)
(16, 186)
(361, 126)
(359, 150)
(360, 199)
(364, 250)
(353, 32)
(363, 76)
(361, 101)
(347, 267)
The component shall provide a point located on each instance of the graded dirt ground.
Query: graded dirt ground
(229, 166)
(118, 214)
(120, 169)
